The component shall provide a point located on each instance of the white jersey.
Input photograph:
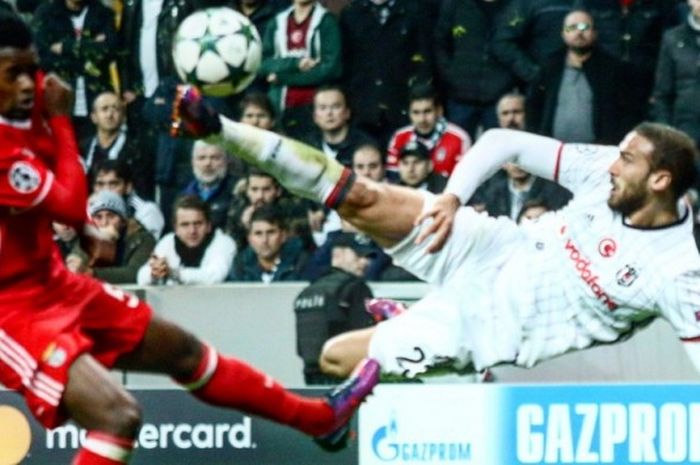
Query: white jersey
(585, 277)
(522, 294)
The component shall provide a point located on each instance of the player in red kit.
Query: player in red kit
(61, 332)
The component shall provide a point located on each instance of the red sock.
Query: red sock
(232, 383)
(104, 449)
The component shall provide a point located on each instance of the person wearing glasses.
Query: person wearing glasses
(579, 96)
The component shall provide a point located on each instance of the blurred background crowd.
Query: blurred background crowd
(398, 90)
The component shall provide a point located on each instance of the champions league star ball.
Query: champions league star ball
(218, 50)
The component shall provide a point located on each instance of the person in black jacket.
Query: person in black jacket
(334, 303)
(416, 169)
(386, 48)
(472, 78)
(631, 31)
(77, 40)
(677, 88)
(578, 97)
(529, 34)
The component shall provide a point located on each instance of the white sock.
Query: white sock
(301, 169)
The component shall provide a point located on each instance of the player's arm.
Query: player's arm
(536, 154)
(66, 198)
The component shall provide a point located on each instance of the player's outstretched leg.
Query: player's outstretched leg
(300, 168)
(228, 382)
(385, 212)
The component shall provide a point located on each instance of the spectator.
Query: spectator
(262, 189)
(579, 97)
(301, 51)
(195, 253)
(677, 88)
(631, 32)
(446, 142)
(333, 133)
(416, 169)
(386, 49)
(115, 176)
(260, 13)
(510, 111)
(256, 110)
(77, 40)
(145, 64)
(271, 255)
(368, 161)
(472, 77)
(212, 182)
(529, 34)
(65, 237)
(319, 262)
(532, 209)
(111, 141)
(512, 188)
(333, 303)
(133, 243)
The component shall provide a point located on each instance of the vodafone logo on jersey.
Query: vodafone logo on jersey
(582, 265)
(607, 247)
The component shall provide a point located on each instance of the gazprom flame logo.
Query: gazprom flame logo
(388, 446)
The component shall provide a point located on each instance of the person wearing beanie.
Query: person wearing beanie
(134, 243)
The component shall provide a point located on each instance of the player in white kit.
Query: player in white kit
(619, 255)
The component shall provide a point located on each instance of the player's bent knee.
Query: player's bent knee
(342, 353)
(125, 416)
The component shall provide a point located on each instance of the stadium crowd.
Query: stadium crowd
(396, 89)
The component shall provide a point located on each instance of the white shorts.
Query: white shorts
(462, 321)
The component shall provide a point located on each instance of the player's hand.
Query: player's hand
(58, 96)
(192, 116)
(442, 214)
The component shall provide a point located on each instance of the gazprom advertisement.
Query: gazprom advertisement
(544, 424)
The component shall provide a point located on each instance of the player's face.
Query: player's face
(578, 32)
(209, 164)
(191, 226)
(108, 112)
(105, 219)
(261, 190)
(330, 110)
(511, 113)
(413, 170)
(368, 162)
(629, 175)
(111, 182)
(17, 70)
(266, 239)
(424, 115)
(253, 115)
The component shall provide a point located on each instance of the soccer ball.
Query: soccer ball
(218, 50)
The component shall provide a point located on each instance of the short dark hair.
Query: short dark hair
(257, 99)
(120, 167)
(424, 92)
(191, 202)
(269, 213)
(674, 151)
(371, 146)
(14, 32)
(332, 87)
(254, 171)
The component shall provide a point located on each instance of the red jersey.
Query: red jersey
(446, 146)
(28, 255)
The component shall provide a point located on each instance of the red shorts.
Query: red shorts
(43, 332)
